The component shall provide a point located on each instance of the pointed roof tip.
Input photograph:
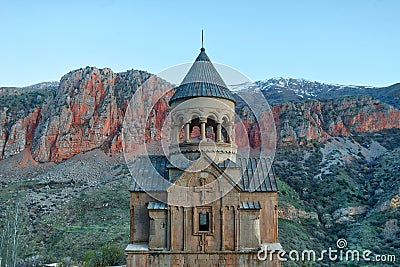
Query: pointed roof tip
(202, 79)
(202, 41)
(202, 56)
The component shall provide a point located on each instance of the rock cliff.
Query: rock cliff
(302, 122)
(87, 109)
(85, 112)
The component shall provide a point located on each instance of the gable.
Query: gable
(188, 178)
(205, 184)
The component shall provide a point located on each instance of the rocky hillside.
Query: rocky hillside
(87, 109)
(345, 188)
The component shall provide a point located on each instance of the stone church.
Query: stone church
(206, 211)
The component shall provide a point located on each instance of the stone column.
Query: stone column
(219, 132)
(229, 134)
(233, 132)
(187, 132)
(178, 133)
(171, 228)
(203, 122)
(132, 228)
(276, 223)
(185, 225)
(169, 222)
(237, 225)
(175, 133)
(222, 226)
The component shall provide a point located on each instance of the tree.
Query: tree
(10, 237)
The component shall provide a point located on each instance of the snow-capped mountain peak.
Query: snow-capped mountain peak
(282, 89)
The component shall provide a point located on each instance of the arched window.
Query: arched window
(195, 133)
(182, 135)
(225, 131)
(204, 221)
(210, 133)
(211, 128)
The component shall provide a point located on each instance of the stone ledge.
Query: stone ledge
(139, 247)
(131, 250)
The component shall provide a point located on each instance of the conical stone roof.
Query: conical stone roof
(202, 80)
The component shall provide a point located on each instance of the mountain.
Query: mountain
(19, 101)
(42, 86)
(280, 90)
(337, 161)
(38, 86)
(86, 112)
(319, 121)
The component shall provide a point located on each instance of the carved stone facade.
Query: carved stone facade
(209, 213)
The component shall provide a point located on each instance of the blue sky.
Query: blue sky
(338, 41)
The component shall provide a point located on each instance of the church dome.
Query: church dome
(202, 80)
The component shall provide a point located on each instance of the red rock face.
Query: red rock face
(20, 135)
(79, 118)
(299, 123)
(88, 109)
(3, 132)
(88, 112)
(302, 122)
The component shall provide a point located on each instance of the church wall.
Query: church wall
(249, 231)
(196, 238)
(140, 220)
(177, 228)
(225, 222)
(229, 205)
(228, 228)
(158, 229)
(227, 259)
(268, 213)
(192, 242)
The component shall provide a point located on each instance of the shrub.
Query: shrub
(108, 255)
